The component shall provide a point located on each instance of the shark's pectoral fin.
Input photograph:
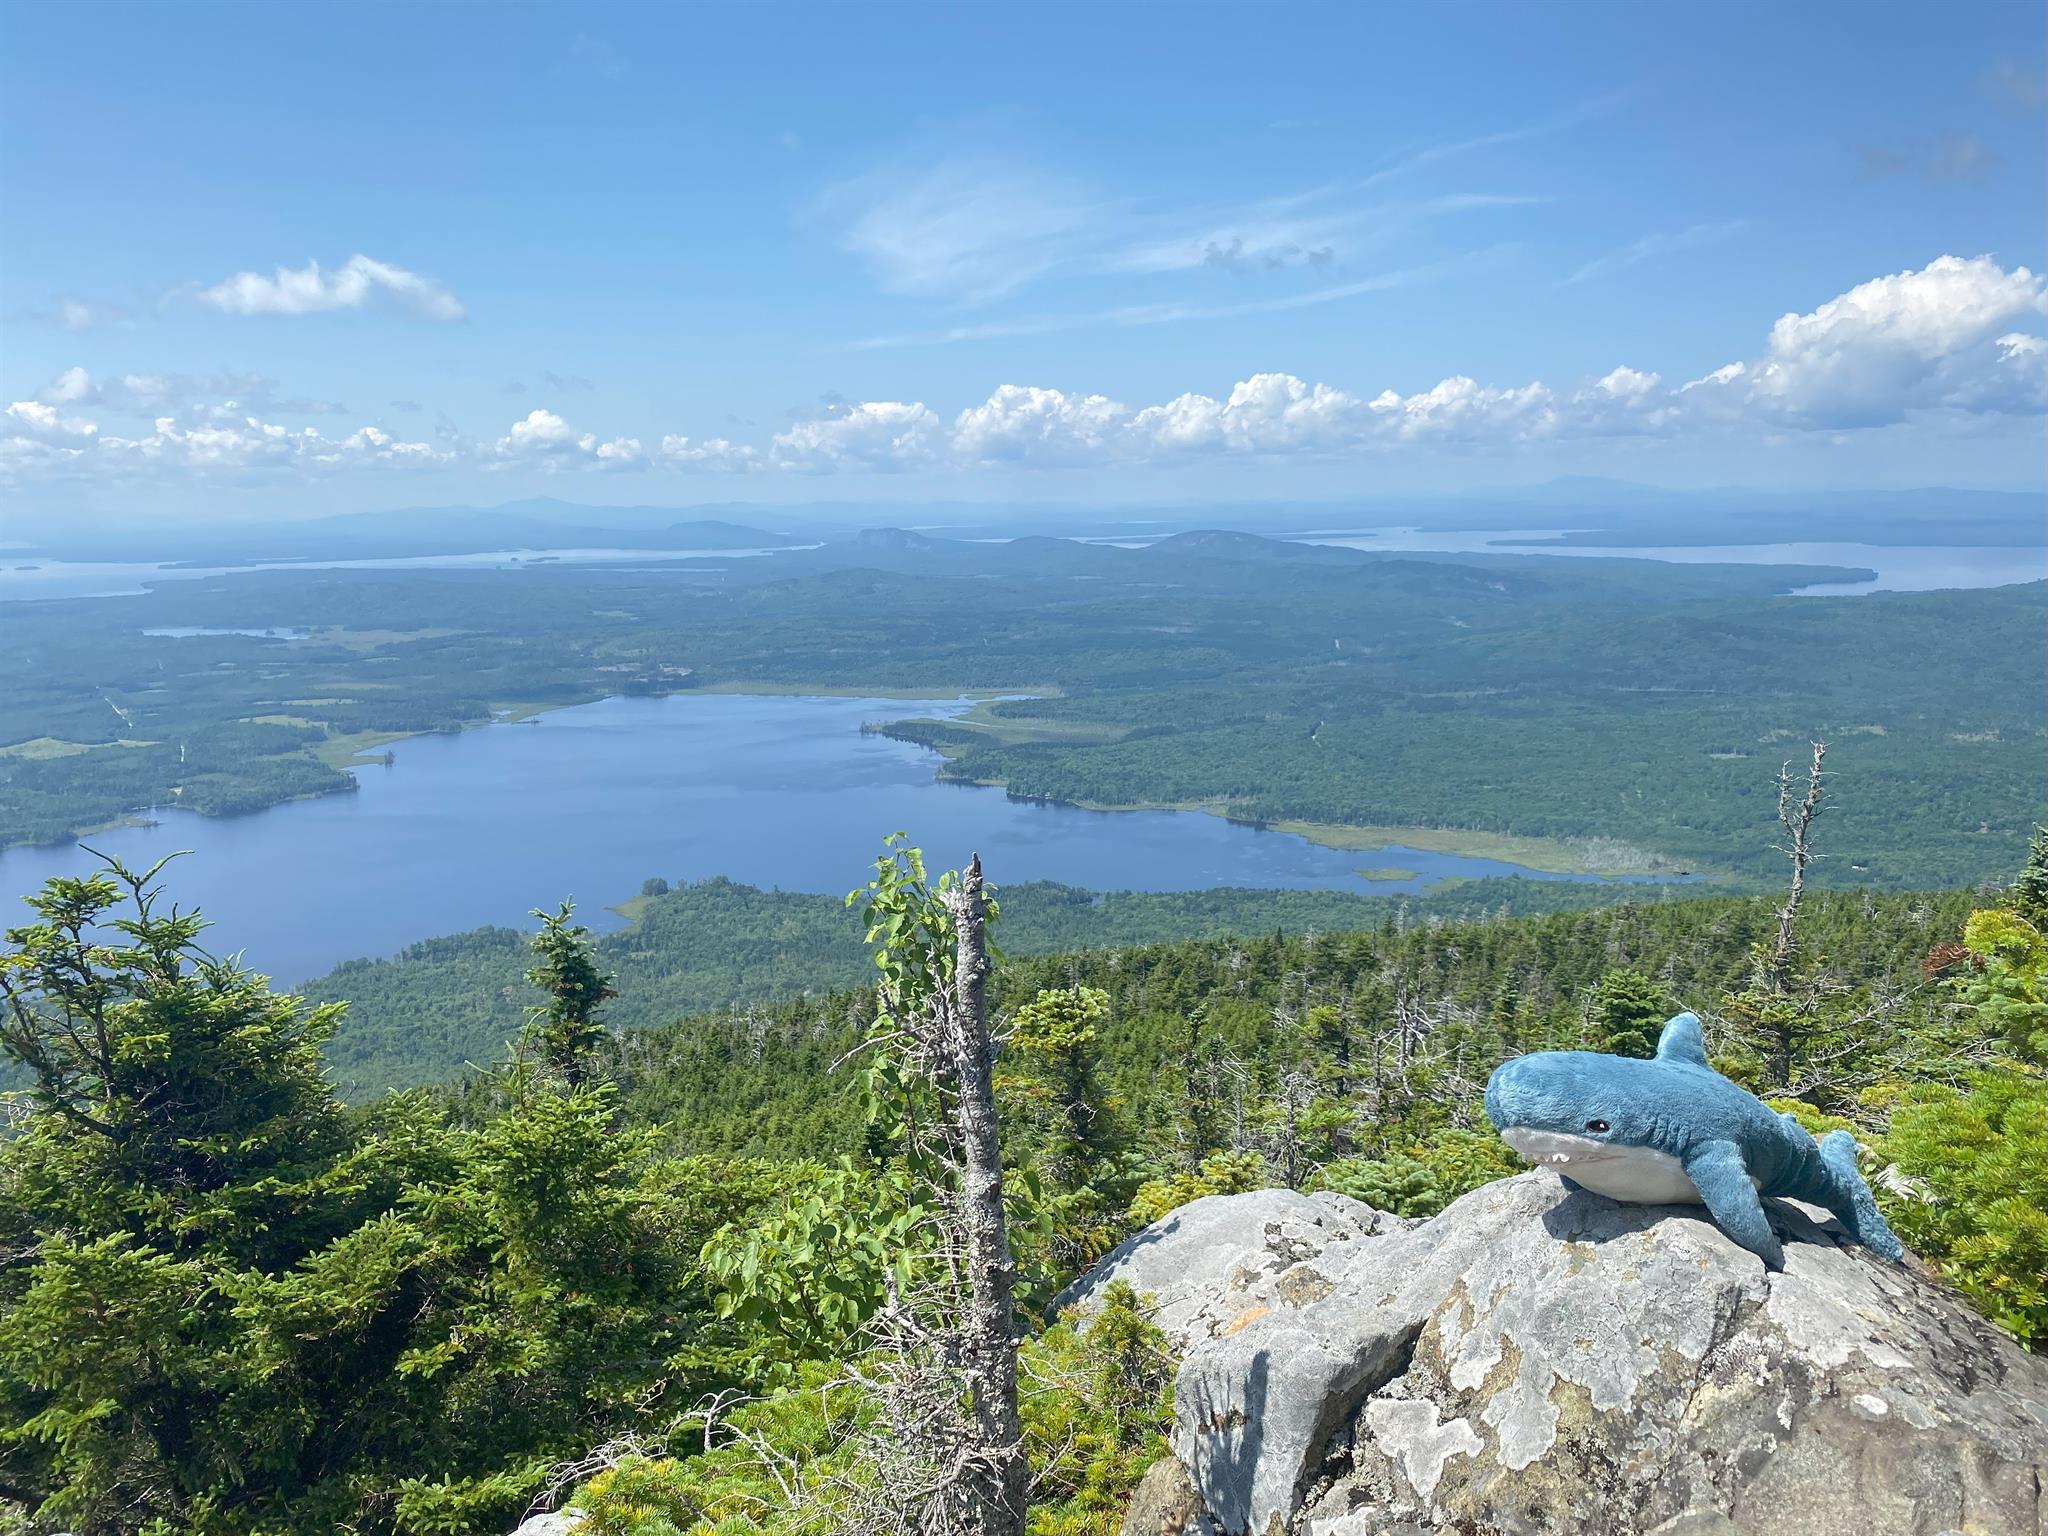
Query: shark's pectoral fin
(1719, 1174)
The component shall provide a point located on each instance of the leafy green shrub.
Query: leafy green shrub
(802, 1277)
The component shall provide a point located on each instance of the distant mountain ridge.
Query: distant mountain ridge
(1589, 509)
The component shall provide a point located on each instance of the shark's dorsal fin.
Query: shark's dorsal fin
(1681, 1042)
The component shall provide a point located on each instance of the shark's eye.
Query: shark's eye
(1596, 1126)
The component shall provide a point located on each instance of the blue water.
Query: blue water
(588, 802)
(1898, 568)
(190, 631)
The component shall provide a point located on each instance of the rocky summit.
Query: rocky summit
(1538, 1359)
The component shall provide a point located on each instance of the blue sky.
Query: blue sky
(665, 254)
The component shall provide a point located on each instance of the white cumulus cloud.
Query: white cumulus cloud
(708, 453)
(40, 420)
(252, 444)
(544, 440)
(34, 435)
(874, 434)
(1267, 413)
(1026, 422)
(1958, 339)
(1912, 341)
(69, 387)
(1459, 410)
(311, 290)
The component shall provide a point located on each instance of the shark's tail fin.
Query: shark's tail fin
(1853, 1203)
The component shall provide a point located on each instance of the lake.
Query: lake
(1899, 568)
(773, 791)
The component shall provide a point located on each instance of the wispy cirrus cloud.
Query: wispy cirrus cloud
(966, 230)
(966, 235)
(1655, 244)
(1167, 313)
(357, 283)
(962, 230)
(1420, 156)
(1300, 231)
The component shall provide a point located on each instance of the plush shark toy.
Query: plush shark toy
(1672, 1130)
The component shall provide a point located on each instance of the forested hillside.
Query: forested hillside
(1562, 700)
(1420, 1010)
(445, 1005)
(229, 1304)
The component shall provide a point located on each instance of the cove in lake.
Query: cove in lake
(788, 792)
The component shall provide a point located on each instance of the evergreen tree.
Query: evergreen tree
(1627, 1014)
(2030, 891)
(1065, 1128)
(566, 1027)
(228, 1307)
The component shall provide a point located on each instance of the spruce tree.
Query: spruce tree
(1628, 1013)
(565, 1028)
(2030, 891)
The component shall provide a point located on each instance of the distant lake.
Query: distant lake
(481, 826)
(1900, 568)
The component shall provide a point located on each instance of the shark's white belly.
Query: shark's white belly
(1639, 1175)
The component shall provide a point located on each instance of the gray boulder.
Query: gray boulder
(1219, 1262)
(1539, 1358)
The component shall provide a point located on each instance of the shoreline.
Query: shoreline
(1550, 856)
(1592, 855)
(1547, 856)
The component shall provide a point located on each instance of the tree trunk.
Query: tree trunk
(1797, 820)
(991, 1337)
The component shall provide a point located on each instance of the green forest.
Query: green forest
(1642, 707)
(232, 1303)
(431, 1012)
